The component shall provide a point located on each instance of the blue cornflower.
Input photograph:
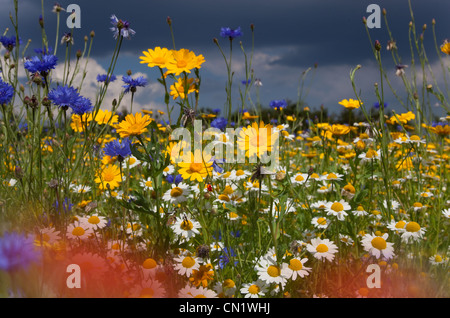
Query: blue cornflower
(6, 92)
(224, 258)
(64, 96)
(66, 205)
(219, 123)
(131, 83)
(246, 82)
(231, 33)
(43, 51)
(174, 179)
(82, 105)
(104, 78)
(377, 105)
(9, 42)
(274, 121)
(41, 65)
(216, 166)
(16, 251)
(278, 104)
(216, 110)
(121, 27)
(120, 149)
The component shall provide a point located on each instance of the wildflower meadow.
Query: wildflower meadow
(239, 200)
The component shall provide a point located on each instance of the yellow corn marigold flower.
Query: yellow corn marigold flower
(350, 103)
(184, 61)
(78, 122)
(106, 117)
(202, 275)
(403, 118)
(179, 88)
(248, 116)
(339, 130)
(445, 47)
(108, 177)
(257, 139)
(133, 125)
(197, 168)
(158, 57)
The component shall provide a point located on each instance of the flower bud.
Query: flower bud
(92, 34)
(377, 45)
(169, 20)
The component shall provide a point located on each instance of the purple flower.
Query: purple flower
(41, 65)
(174, 179)
(131, 84)
(104, 78)
(120, 149)
(9, 42)
(219, 123)
(67, 96)
(16, 251)
(121, 27)
(6, 92)
(230, 33)
(278, 104)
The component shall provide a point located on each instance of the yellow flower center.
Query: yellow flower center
(295, 264)
(78, 231)
(186, 225)
(414, 137)
(233, 215)
(331, 176)
(188, 262)
(200, 296)
(148, 183)
(228, 283)
(274, 271)
(94, 219)
(371, 153)
(299, 178)
(147, 293)
(240, 173)
(438, 258)
(417, 205)
(322, 221)
(253, 289)
(176, 192)
(159, 60)
(360, 208)
(149, 263)
(181, 64)
(400, 225)
(314, 176)
(322, 248)
(412, 227)
(196, 167)
(379, 243)
(224, 197)
(131, 161)
(108, 175)
(337, 207)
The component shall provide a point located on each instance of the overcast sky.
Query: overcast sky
(290, 37)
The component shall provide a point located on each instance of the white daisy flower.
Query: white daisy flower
(269, 271)
(299, 178)
(322, 248)
(186, 264)
(370, 155)
(438, 259)
(225, 289)
(412, 232)
(148, 289)
(255, 289)
(168, 170)
(130, 162)
(147, 184)
(80, 188)
(332, 177)
(446, 213)
(197, 292)
(78, 230)
(186, 227)
(360, 211)
(95, 221)
(179, 193)
(47, 235)
(378, 246)
(320, 222)
(397, 227)
(295, 268)
(338, 208)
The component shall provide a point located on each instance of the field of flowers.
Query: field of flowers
(120, 194)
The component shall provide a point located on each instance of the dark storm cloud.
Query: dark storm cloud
(325, 31)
